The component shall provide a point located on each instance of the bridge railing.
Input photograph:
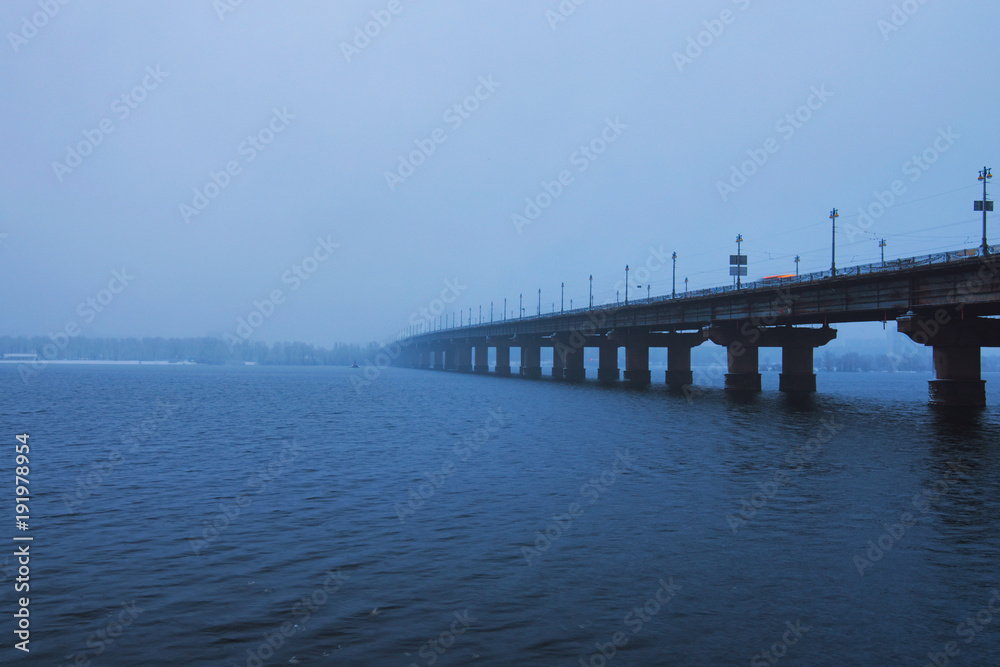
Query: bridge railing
(858, 270)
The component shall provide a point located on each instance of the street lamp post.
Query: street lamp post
(491, 312)
(881, 245)
(833, 243)
(985, 175)
(505, 308)
(626, 284)
(739, 242)
(673, 283)
(797, 260)
(685, 285)
(591, 291)
(562, 297)
(539, 301)
(520, 305)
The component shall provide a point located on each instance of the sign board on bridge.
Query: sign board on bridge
(737, 260)
(979, 205)
(737, 270)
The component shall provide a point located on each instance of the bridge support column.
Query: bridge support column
(425, 359)
(607, 370)
(744, 342)
(797, 369)
(958, 377)
(482, 359)
(744, 371)
(558, 361)
(957, 354)
(451, 358)
(637, 364)
(531, 360)
(503, 360)
(438, 359)
(464, 353)
(679, 373)
(575, 371)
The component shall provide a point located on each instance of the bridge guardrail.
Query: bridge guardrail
(858, 270)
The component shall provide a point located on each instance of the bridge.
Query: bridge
(946, 301)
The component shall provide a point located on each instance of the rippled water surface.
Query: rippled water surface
(437, 518)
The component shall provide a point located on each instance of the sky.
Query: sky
(172, 168)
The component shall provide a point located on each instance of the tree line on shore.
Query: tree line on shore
(204, 350)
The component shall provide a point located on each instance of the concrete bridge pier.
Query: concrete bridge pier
(797, 348)
(464, 354)
(957, 347)
(482, 361)
(607, 370)
(797, 344)
(425, 359)
(531, 360)
(637, 364)
(451, 358)
(742, 354)
(575, 371)
(438, 355)
(744, 368)
(503, 360)
(797, 370)
(558, 360)
(679, 374)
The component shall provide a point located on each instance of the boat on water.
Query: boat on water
(355, 365)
